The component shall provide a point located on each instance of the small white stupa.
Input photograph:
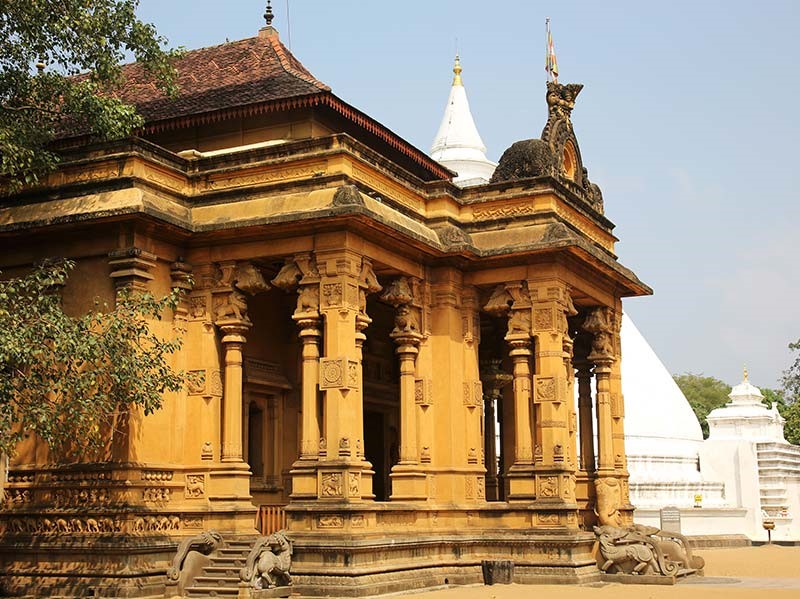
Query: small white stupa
(458, 145)
(746, 416)
(747, 450)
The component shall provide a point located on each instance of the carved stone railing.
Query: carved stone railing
(192, 556)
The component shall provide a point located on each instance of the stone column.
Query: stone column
(556, 452)
(233, 340)
(232, 481)
(473, 393)
(618, 416)
(300, 275)
(310, 430)
(584, 376)
(494, 380)
(599, 322)
(513, 299)
(343, 474)
(408, 479)
(132, 269)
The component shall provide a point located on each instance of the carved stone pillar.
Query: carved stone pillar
(584, 375)
(608, 486)
(513, 299)
(408, 480)
(598, 322)
(343, 474)
(473, 390)
(230, 317)
(494, 380)
(233, 340)
(300, 275)
(555, 455)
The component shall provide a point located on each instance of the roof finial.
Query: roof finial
(457, 71)
(745, 374)
(268, 15)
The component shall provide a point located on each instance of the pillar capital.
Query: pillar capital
(131, 268)
(233, 330)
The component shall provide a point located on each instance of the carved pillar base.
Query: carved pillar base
(408, 483)
(521, 482)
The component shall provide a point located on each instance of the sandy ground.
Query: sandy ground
(759, 572)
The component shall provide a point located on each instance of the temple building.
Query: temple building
(361, 320)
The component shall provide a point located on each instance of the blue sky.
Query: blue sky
(688, 122)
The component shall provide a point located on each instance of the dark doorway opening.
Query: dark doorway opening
(375, 452)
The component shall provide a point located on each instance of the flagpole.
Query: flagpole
(547, 46)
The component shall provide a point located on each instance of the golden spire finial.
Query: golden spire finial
(457, 71)
(745, 373)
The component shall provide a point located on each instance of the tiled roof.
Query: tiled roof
(249, 71)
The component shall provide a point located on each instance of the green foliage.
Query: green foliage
(791, 376)
(67, 38)
(70, 379)
(704, 393)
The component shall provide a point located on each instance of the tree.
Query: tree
(66, 378)
(791, 377)
(59, 69)
(704, 394)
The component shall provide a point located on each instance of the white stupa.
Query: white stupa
(458, 145)
(662, 435)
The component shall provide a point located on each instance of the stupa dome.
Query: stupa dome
(658, 419)
(458, 145)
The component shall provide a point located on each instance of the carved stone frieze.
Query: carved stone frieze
(331, 484)
(195, 486)
(157, 475)
(330, 521)
(549, 389)
(156, 494)
(338, 373)
(423, 392)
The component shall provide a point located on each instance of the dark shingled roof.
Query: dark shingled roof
(247, 77)
(254, 70)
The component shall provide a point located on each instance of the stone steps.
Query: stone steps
(221, 577)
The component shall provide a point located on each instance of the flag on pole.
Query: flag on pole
(551, 64)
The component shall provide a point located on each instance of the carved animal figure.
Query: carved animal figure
(288, 277)
(673, 546)
(499, 303)
(92, 526)
(308, 298)
(234, 306)
(205, 543)
(609, 497)
(269, 562)
(405, 321)
(621, 556)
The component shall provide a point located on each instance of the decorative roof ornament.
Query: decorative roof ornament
(745, 373)
(269, 15)
(458, 145)
(457, 70)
